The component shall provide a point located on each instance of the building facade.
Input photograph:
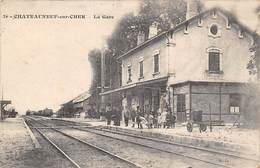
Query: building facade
(199, 65)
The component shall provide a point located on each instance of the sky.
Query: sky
(44, 61)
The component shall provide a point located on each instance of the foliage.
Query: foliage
(94, 58)
(165, 14)
(253, 63)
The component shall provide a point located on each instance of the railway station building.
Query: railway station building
(199, 65)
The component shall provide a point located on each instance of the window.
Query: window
(181, 107)
(156, 63)
(200, 22)
(214, 61)
(214, 29)
(214, 14)
(240, 34)
(186, 28)
(234, 103)
(228, 24)
(129, 70)
(141, 69)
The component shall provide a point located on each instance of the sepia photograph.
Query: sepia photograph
(130, 83)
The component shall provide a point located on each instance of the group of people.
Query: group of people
(92, 113)
(136, 117)
(112, 114)
(163, 119)
(160, 119)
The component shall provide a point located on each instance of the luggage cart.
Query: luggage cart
(196, 119)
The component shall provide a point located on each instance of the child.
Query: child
(163, 117)
(159, 120)
(150, 120)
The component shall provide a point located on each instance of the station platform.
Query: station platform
(15, 143)
(222, 138)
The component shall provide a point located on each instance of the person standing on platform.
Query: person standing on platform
(173, 121)
(163, 117)
(138, 117)
(117, 116)
(150, 120)
(126, 116)
(133, 116)
(125, 110)
(108, 113)
(168, 120)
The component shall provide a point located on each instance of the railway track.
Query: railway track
(210, 157)
(232, 154)
(104, 156)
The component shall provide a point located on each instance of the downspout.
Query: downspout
(168, 51)
(220, 100)
(169, 74)
(168, 55)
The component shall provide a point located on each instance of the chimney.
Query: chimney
(140, 37)
(153, 30)
(192, 8)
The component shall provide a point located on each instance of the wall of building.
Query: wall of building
(147, 55)
(189, 56)
(216, 97)
(205, 97)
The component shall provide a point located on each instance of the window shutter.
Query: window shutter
(214, 61)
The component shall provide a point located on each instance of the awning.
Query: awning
(118, 89)
(138, 84)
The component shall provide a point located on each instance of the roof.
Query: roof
(67, 102)
(81, 97)
(138, 84)
(232, 18)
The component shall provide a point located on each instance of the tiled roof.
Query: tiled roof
(81, 97)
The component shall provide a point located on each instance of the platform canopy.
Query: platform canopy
(3, 103)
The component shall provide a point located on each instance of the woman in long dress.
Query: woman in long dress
(163, 118)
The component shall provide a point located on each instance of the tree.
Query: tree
(253, 64)
(165, 13)
(94, 57)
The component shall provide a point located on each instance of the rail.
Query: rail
(93, 146)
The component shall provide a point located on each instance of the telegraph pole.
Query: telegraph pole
(1, 113)
(3, 102)
(103, 71)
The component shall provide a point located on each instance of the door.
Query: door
(181, 108)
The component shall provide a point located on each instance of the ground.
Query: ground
(15, 143)
(226, 134)
(17, 149)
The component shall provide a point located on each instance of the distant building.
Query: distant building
(66, 110)
(81, 104)
(3, 104)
